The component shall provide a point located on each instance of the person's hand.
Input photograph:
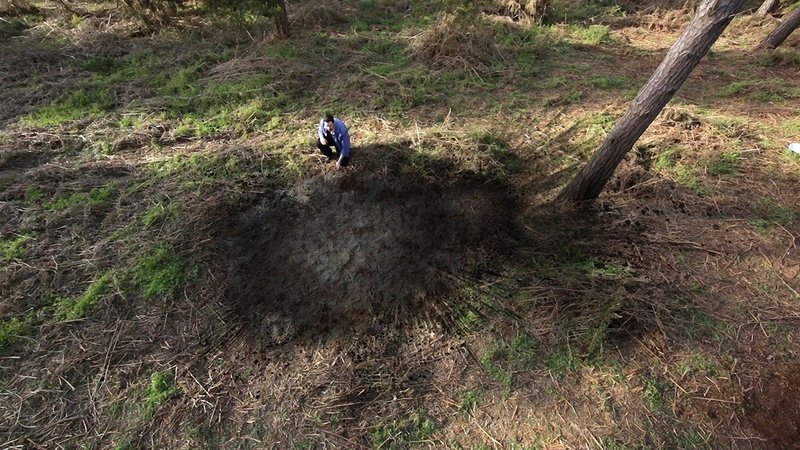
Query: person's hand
(338, 164)
(323, 141)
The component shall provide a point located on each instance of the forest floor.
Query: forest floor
(179, 269)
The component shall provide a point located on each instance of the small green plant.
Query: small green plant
(161, 388)
(697, 362)
(724, 164)
(469, 320)
(666, 160)
(33, 195)
(562, 361)
(159, 213)
(72, 309)
(94, 197)
(13, 247)
(655, 390)
(468, 401)
(592, 35)
(160, 273)
(404, 433)
(11, 330)
(686, 176)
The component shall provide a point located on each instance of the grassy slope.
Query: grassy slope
(650, 322)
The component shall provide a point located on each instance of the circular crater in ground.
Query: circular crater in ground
(342, 253)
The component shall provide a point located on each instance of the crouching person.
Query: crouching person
(333, 132)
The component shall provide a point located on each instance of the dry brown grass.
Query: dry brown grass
(454, 42)
(315, 14)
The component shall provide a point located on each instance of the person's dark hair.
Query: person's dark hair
(328, 117)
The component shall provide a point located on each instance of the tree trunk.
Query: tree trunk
(779, 34)
(282, 20)
(708, 24)
(768, 7)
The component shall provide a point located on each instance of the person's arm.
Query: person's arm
(345, 144)
(321, 132)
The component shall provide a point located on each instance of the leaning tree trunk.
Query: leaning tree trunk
(282, 20)
(779, 34)
(708, 24)
(768, 7)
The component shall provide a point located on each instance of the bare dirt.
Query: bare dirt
(773, 407)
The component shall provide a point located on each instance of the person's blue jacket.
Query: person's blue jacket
(341, 136)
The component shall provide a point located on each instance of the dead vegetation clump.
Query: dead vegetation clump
(454, 42)
(521, 11)
(313, 14)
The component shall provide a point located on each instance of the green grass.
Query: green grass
(161, 272)
(94, 197)
(791, 126)
(12, 248)
(562, 361)
(490, 363)
(593, 129)
(11, 330)
(782, 56)
(725, 164)
(736, 88)
(666, 160)
(698, 363)
(81, 307)
(611, 82)
(198, 166)
(687, 177)
(655, 394)
(772, 213)
(161, 388)
(523, 353)
(730, 127)
(601, 269)
(568, 11)
(774, 91)
(468, 401)
(592, 35)
(83, 103)
(402, 434)
(159, 213)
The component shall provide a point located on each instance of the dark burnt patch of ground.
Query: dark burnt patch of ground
(345, 252)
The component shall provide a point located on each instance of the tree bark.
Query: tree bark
(707, 25)
(768, 7)
(282, 20)
(779, 34)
